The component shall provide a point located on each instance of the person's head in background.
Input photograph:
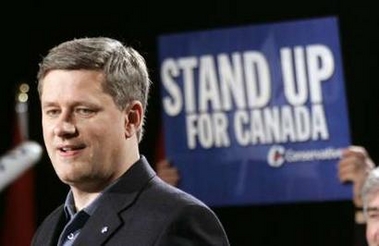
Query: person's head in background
(370, 197)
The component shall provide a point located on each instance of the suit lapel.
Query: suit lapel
(101, 225)
(106, 220)
(55, 223)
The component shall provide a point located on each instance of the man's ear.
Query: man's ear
(133, 118)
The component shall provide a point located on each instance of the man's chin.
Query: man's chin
(70, 178)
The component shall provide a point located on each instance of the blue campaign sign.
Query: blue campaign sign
(256, 114)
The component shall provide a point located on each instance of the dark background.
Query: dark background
(27, 37)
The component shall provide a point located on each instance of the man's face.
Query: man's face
(83, 130)
(372, 230)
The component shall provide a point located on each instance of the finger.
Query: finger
(355, 151)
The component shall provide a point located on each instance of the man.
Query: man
(93, 94)
(354, 167)
(370, 197)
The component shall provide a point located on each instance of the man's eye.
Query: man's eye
(373, 215)
(52, 112)
(84, 111)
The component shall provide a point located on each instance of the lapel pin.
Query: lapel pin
(104, 229)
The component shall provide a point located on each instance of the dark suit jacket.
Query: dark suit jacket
(141, 210)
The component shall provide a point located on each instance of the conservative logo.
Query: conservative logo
(278, 155)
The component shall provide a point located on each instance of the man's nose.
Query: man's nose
(64, 128)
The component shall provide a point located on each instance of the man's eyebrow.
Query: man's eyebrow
(47, 104)
(74, 103)
(372, 209)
